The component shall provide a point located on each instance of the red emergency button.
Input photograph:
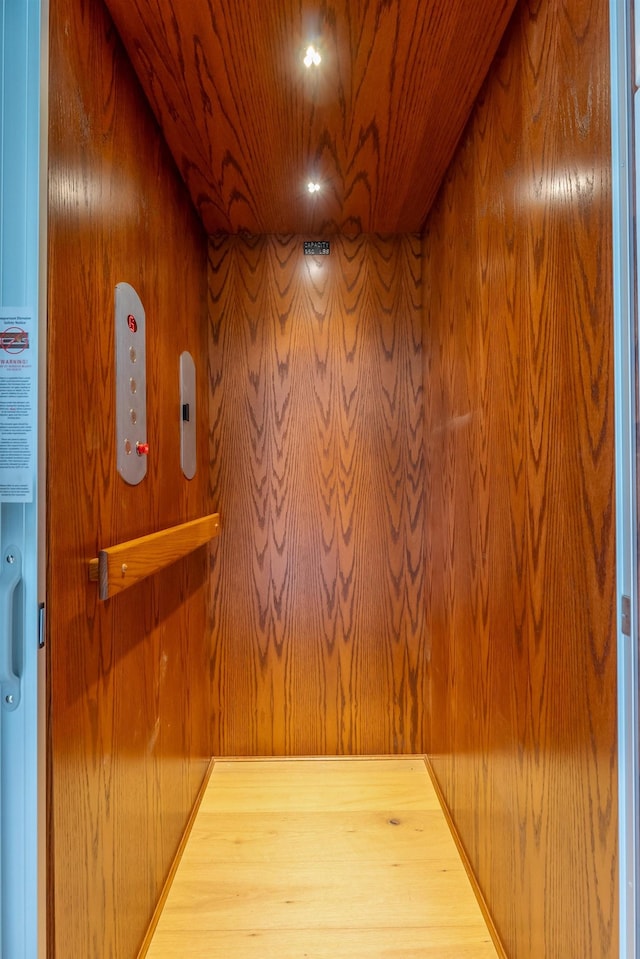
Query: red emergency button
(142, 449)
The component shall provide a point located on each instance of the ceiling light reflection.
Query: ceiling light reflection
(312, 57)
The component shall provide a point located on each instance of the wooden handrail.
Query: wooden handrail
(119, 567)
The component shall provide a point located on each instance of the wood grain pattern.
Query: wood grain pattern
(119, 567)
(128, 708)
(317, 465)
(336, 858)
(249, 126)
(519, 488)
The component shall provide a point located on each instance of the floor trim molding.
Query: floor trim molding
(488, 918)
(157, 912)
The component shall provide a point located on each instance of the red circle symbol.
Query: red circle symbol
(132, 323)
(14, 340)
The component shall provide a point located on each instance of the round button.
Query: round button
(142, 449)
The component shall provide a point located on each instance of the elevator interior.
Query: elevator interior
(409, 441)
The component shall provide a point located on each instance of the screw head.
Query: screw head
(9, 700)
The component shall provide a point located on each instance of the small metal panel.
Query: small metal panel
(187, 415)
(131, 385)
(317, 247)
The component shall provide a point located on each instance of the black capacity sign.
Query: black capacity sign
(317, 247)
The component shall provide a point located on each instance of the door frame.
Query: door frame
(23, 198)
(624, 186)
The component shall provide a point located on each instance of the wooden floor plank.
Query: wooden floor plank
(330, 944)
(303, 896)
(321, 858)
(376, 785)
(281, 836)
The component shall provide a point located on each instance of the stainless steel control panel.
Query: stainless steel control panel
(131, 385)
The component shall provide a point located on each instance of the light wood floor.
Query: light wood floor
(326, 859)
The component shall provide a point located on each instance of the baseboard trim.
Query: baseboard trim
(146, 943)
(488, 918)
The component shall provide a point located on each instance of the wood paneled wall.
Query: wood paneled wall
(128, 701)
(317, 469)
(519, 429)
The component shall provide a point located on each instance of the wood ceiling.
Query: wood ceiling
(248, 125)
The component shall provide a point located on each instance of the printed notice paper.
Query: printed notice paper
(17, 412)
